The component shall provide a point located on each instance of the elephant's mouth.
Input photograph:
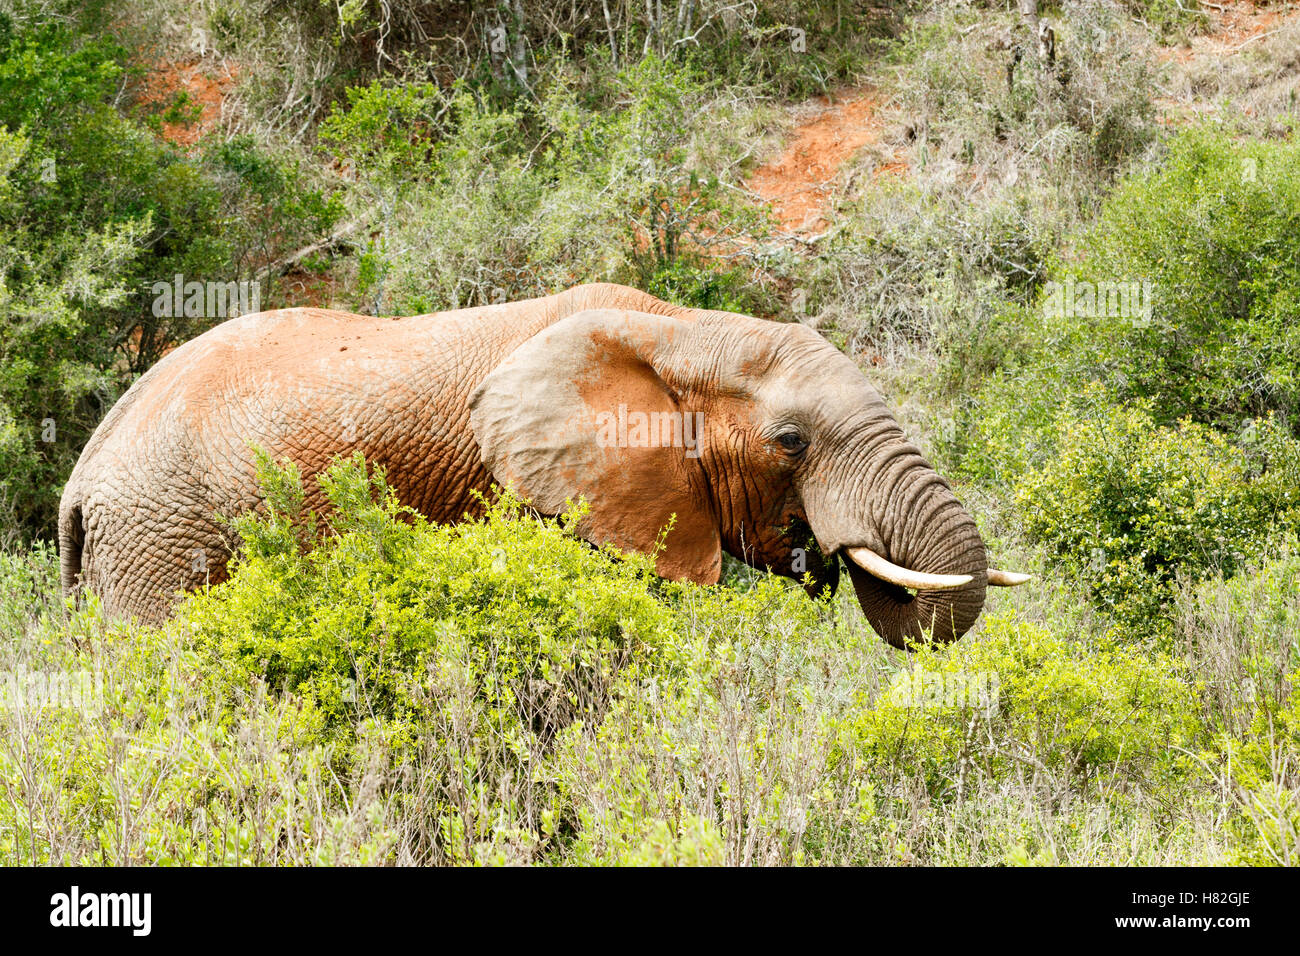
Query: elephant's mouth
(818, 571)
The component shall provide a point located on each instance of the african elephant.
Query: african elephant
(763, 439)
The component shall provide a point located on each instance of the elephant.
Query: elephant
(754, 437)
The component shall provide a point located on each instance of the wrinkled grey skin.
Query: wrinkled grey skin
(798, 457)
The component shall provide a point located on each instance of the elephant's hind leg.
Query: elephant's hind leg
(140, 564)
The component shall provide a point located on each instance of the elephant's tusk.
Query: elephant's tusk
(873, 563)
(1006, 579)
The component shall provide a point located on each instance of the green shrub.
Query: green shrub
(1129, 505)
(790, 48)
(692, 281)
(1005, 158)
(96, 209)
(1210, 240)
(1242, 633)
(631, 180)
(1023, 703)
(386, 608)
(1009, 427)
(1215, 230)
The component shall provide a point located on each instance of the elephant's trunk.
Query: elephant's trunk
(922, 527)
(901, 617)
(899, 508)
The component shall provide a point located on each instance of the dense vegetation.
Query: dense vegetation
(1084, 301)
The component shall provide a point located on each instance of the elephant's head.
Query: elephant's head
(762, 438)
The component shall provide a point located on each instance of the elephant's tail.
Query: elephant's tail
(72, 538)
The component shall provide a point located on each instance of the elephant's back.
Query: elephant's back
(198, 407)
(293, 344)
(303, 383)
(138, 415)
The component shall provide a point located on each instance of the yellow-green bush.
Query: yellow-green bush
(385, 609)
(1129, 505)
(1025, 703)
(487, 658)
(488, 692)
(1242, 634)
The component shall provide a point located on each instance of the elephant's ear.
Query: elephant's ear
(581, 410)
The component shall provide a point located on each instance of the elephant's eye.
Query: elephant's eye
(791, 442)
